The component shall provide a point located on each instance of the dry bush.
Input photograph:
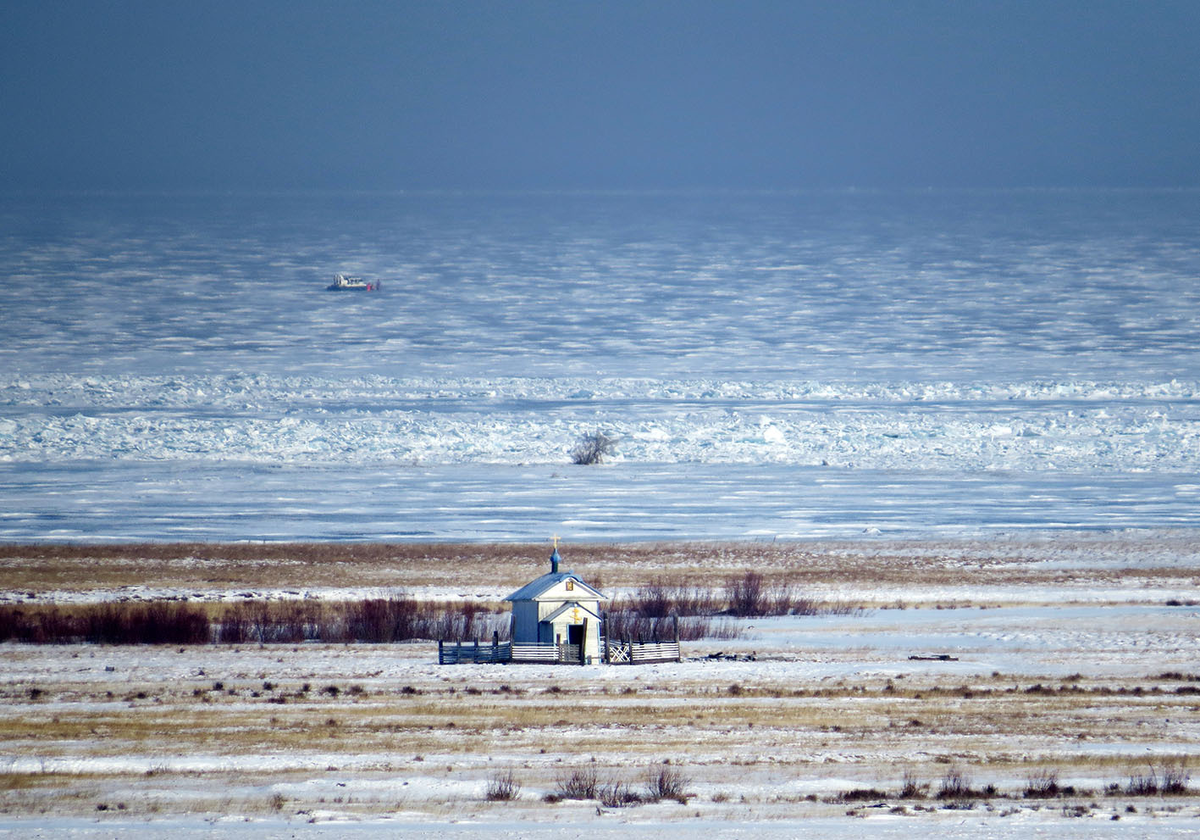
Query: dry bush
(271, 621)
(617, 794)
(666, 782)
(751, 596)
(1175, 779)
(581, 784)
(1169, 780)
(911, 787)
(593, 447)
(629, 626)
(746, 595)
(649, 611)
(502, 787)
(654, 609)
(860, 795)
(1042, 784)
(956, 784)
(661, 598)
(159, 622)
(403, 619)
(167, 622)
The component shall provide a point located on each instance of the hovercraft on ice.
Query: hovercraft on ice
(346, 283)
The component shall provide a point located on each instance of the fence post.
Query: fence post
(441, 656)
(475, 658)
(678, 654)
(495, 645)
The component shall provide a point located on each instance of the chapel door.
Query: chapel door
(574, 634)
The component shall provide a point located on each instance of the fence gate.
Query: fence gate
(632, 653)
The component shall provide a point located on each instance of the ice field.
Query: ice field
(774, 365)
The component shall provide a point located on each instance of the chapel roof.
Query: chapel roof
(548, 581)
(541, 585)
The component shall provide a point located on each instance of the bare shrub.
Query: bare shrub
(781, 598)
(666, 782)
(286, 621)
(1175, 779)
(271, 621)
(581, 784)
(617, 794)
(747, 595)
(661, 598)
(593, 447)
(1169, 780)
(155, 623)
(652, 600)
(911, 787)
(374, 620)
(648, 612)
(956, 784)
(861, 795)
(1042, 784)
(652, 610)
(751, 596)
(627, 624)
(502, 787)
(1143, 784)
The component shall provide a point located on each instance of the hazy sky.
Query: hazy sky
(588, 94)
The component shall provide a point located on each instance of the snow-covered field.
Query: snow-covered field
(1082, 665)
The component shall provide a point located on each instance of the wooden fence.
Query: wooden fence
(643, 653)
(457, 653)
(558, 654)
(616, 653)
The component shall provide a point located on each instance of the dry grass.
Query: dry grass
(241, 717)
(800, 566)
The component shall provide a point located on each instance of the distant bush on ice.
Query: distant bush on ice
(593, 448)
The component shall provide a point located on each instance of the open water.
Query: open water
(775, 365)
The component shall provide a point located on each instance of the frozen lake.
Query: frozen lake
(774, 365)
(189, 501)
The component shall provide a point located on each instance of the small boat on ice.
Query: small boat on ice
(346, 283)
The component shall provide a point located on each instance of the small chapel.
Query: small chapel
(558, 618)
(558, 608)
